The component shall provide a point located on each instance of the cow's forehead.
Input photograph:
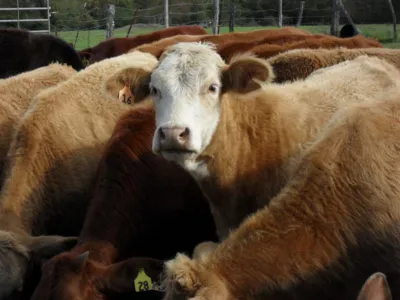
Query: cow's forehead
(188, 63)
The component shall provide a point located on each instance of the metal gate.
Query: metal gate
(18, 9)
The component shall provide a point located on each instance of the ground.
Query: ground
(382, 32)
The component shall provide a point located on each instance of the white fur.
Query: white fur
(182, 97)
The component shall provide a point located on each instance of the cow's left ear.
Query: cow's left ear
(245, 73)
(136, 80)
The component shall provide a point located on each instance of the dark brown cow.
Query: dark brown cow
(270, 47)
(157, 48)
(22, 50)
(117, 46)
(143, 205)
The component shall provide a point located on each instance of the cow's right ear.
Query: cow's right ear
(129, 85)
(375, 288)
(244, 74)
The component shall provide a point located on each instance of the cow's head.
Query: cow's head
(76, 276)
(187, 87)
(16, 252)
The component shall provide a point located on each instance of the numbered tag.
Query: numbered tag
(125, 95)
(85, 61)
(143, 282)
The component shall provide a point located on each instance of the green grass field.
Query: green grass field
(382, 32)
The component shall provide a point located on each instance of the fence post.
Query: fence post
(216, 15)
(300, 14)
(166, 13)
(394, 21)
(232, 16)
(280, 17)
(335, 19)
(110, 20)
(18, 13)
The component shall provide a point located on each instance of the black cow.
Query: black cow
(22, 50)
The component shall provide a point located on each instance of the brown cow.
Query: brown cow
(157, 48)
(117, 46)
(52, 163)
(140, 207)
(300, 63)
(243, 143)
(268, 48)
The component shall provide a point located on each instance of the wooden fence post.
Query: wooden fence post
(216, 15)
(394, 21)
(335, 19)
(300, 14)
(232, 16)
(110, 21)
(280, 16)
(166, 13)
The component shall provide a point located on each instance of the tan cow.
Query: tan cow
(198, 125)
(335, 221)
(53, 159)
(299, 63)
(241, 140)
(16, 93)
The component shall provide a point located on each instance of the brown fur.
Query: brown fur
(148, 210)
(325, 151)
(336, 221)
(157, 48)
(54, 154)
(117, 46)
(300, 63)
(16, 93)
(270, 47)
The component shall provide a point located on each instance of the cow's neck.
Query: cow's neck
(257, 137)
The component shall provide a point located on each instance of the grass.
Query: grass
(382, 32)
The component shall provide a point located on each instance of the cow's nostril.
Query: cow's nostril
(184, 134)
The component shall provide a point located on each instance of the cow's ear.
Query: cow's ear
(245, 73)
(46, 246)
(375, 288)
(131, 82)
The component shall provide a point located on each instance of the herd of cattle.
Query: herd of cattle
(185, 165)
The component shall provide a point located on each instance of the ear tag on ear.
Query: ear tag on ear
(125, 95)
(143, 282)
(85, 61)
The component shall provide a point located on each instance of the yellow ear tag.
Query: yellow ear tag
(143, 282)
(125, 95)
(85, 61)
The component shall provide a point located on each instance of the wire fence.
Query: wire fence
(85, 26)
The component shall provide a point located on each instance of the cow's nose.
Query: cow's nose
(174, 137)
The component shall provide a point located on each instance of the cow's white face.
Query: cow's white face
(186, 87)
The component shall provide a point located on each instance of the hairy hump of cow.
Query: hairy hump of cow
(117, 46)
(16, 93)
(54, 155)
(336, 221)
(253, 36)
(141, 207)
(22, 50)
(300, 63)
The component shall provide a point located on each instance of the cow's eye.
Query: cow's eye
(213, 88)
